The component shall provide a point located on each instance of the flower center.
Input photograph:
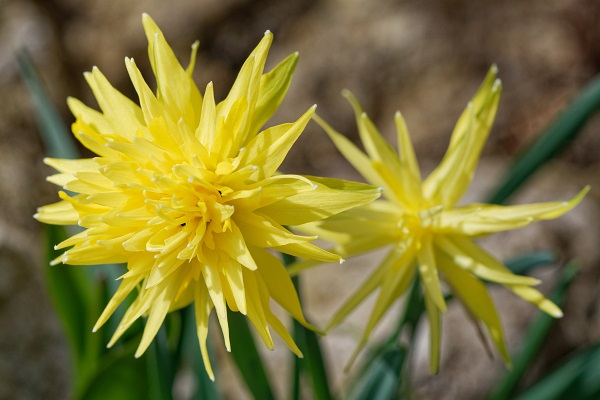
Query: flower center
(419, 222)
(192, 213)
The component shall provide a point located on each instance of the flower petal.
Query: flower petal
(246, 86)
(202, 309)
(357, 158)
(435, 331)
(279, 284)
(317, 204)
(273, 87)
(492, 271)
(176, 90)
(449, 181)
(61, 213)
(124, 116)
(480, 219)
(428, 272)
(476, 298)
(527, 293)
(268, 150)
(397, 270)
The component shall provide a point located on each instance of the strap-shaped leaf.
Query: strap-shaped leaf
(554, 139)
(534, 338)
(246, 357)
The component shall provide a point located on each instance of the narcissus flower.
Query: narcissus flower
(186, 192)
(426, 232)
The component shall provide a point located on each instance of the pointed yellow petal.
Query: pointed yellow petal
(428, 272)
(283, 333)
(406, 154)
(124, 115)
(279, 284)
(150, 105)
(262, 231)
(537, 299)
(527, 293)
(234, 276)
(72, 166)
(90, 116)
(213, 283)
(158, 312)
(247, 86)
(435, 332)
(126, 286)
(176, 89)
(207, 126)
(357, 158)
(273, 87)
(479, 219)
(138, 308)
(476, 298)
(492, 271)
(202, 308)
(317, 204)
(61, 213)
(267, 150)
(377, 148)
(257, 306)
(190, 69)
(448, 182)
(393, 275)
(400, 173)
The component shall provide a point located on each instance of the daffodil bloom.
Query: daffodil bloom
(186, 192)
(426, 232)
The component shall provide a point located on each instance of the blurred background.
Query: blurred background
(425, 58)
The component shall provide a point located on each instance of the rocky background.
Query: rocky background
(423, 57)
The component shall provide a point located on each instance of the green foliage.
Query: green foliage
(380, 378)
(534, 338)
(313, 363)
(54, 132)
(188, 356)
(119, 376)
(247, 358)
(564, 129)
(578, 378)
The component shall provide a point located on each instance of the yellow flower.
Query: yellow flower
(427, 232)
(187, 193)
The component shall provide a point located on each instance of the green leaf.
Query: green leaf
(380, 378)
(534, 338)
(120, 376)
(577, 378)
(526, 262)
(159, 370)
(565, 128)
(381, 374)
(246, 357)
(72, 294)
(313, 363)
(188, 356)
(55, 135)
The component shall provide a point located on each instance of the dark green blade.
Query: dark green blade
(556, 137)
